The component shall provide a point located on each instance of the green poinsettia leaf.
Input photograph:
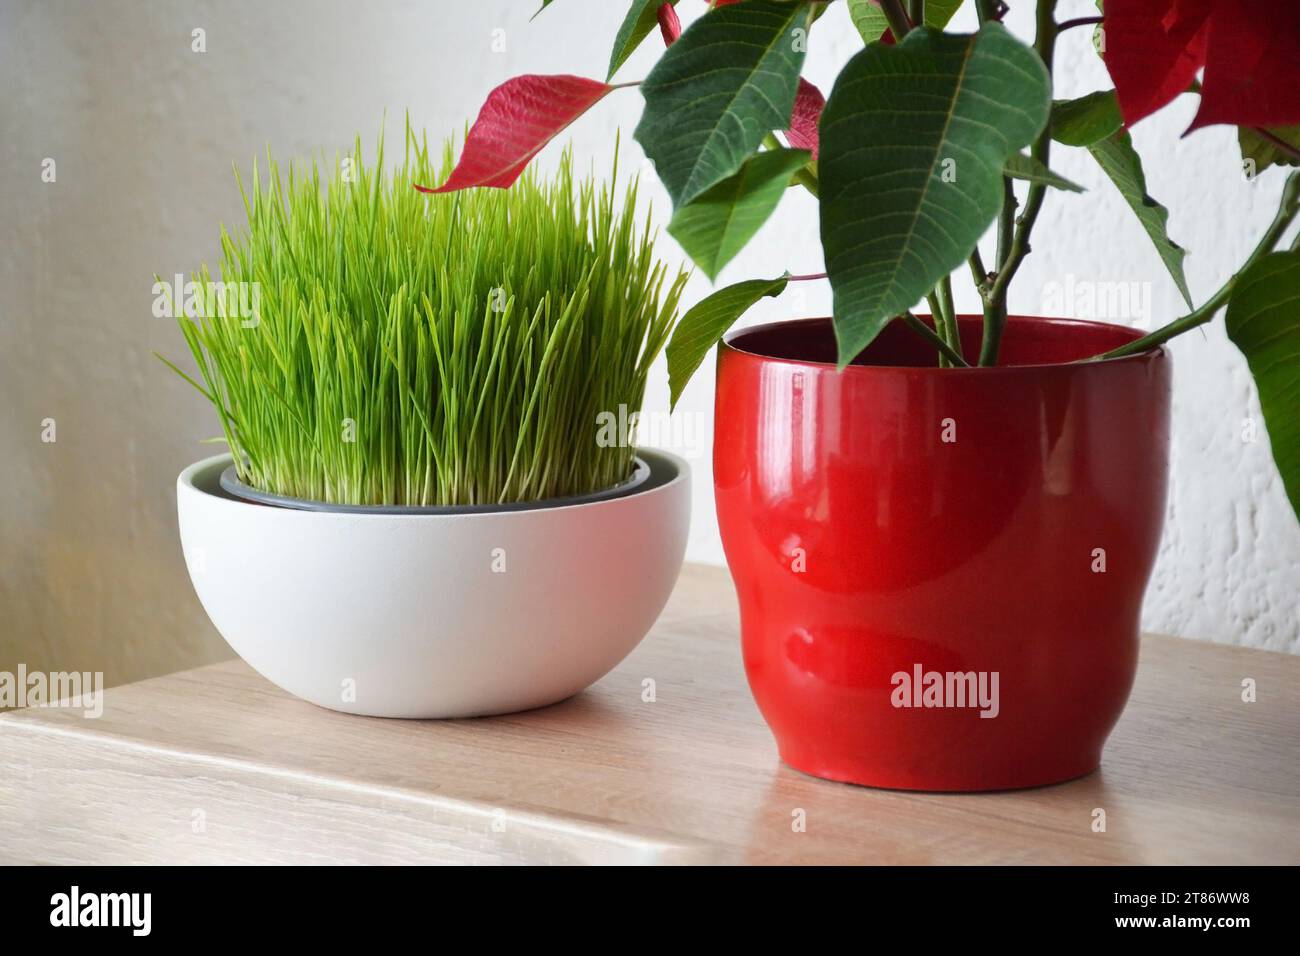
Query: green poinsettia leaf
(1087, 119)
(1023, 166)
(939, 12)
(1119, 161)
(640, 20)
(727, 82)
(871, 21)
(716, 225)
(1262, 152)
(1264, 322)
(913, 141)
(706, 322)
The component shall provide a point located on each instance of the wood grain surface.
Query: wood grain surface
(215, 765)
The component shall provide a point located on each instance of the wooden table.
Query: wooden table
(216, 765)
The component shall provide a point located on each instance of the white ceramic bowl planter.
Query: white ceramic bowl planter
(435, 615)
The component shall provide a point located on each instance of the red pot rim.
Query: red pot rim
(731, 344)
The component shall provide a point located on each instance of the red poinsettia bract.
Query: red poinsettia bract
(1249, 51)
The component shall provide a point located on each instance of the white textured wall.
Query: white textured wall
(144, 131)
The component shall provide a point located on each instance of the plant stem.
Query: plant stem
(979, 273)
(899, 24)
(995, 314)
(933, 338)
(916, 12)
(1287, 210)
(940, 324)
(1177, 327)
(1006, 220)
(1078, 22)
(952, 332)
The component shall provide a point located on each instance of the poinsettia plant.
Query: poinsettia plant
(928, 139)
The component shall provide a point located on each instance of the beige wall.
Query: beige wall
(143, 131)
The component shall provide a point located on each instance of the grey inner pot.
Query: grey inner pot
(230, 483)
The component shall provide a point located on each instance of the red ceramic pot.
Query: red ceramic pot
(940, 571)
